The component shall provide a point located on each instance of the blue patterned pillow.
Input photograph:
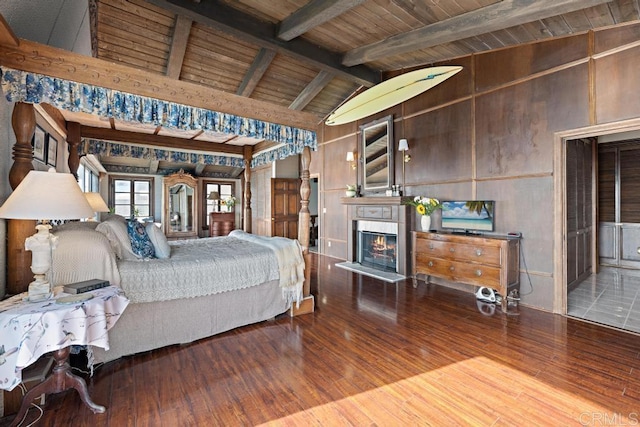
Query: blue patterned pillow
(140, 242)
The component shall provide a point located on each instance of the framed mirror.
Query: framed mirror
(377, 171)
(180, 206)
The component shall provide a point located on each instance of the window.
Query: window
(132, 196)
(224, 189)
(88, 179)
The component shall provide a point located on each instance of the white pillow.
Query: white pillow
(159, 240)
(116, 232)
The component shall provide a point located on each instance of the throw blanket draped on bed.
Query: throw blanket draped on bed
(214, 265)
(290, 262)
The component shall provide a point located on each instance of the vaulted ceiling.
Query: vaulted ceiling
(306, 57)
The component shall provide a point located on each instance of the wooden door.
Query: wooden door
(579, 194)
(285, 205)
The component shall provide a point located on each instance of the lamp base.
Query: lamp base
(39, 289)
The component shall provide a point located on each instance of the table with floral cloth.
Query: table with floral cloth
(30, 329)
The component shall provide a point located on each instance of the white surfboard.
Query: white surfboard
(389, 93)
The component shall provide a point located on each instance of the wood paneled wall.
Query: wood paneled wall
(488, 133)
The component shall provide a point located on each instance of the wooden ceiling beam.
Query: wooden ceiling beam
(157, 140)
(313, 88)
(497, 16)
(216, 14)
(311, 15)
(51, 61)
(6, 34)
(255, 72)
(179, 41)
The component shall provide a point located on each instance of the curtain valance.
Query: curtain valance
(23, 86)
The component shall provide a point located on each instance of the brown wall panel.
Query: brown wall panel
(617, 86)
(515, 125)
(456, 87)
(337, 171)
(616, 36)
(506, 65)
(439, 145)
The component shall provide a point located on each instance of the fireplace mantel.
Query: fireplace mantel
(375, 201)
(384, 209)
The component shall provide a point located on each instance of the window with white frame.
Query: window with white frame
(131, 196)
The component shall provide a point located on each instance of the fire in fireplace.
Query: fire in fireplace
(377, 250)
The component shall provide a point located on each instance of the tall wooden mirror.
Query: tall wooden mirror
(376, 172)
(180, 206)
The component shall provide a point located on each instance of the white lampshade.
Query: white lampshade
(47, 195)
(350, 156)
(403, 145)
(214, 195)
(96, 202)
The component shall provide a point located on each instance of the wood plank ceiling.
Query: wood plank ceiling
(312, 55)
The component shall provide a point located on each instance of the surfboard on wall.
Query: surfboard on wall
(389, 93)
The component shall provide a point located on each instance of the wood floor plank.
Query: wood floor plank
(374, 354)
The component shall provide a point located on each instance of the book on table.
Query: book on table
(85, 286)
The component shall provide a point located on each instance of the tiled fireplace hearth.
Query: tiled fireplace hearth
(380, 226)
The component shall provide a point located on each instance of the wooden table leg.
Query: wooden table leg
(61, 379)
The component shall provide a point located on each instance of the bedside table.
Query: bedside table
(30, 329)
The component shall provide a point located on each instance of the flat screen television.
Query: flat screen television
(468, 215)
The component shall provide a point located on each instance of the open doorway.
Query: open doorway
(314, 202)
(601, 229)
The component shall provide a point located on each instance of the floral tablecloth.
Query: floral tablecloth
(29, 330)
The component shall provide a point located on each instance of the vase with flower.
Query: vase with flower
(228, 203)
(425, 206)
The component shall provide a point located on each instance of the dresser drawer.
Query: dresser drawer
(458, 271)
(458, 251)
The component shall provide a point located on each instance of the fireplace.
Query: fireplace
(377, 245)
(383, 224)
(377, 250)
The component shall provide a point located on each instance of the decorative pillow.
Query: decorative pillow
(116, 232)
(140, 242)
(159, 241)
(83, 254)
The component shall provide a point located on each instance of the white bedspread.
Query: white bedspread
(207, 266)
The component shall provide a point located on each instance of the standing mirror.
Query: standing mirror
(180, 206)
(377, 170)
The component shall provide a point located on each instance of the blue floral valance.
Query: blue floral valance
(23, 86)
(114, 149)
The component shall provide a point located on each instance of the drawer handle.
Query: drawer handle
(452, 249)
(430, 264)
(478, 273)
(478, 252)
(452, 268)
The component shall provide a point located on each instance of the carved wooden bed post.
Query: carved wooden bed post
(73, 140)
(23, 122)
(304, 218)
(248, 154)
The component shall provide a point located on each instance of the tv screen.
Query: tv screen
(471, 215)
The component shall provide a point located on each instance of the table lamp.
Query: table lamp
(97, 203)
(44, 196)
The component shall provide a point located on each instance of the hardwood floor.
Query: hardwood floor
(375, 353)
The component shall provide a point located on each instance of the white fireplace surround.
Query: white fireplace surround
(378, 227)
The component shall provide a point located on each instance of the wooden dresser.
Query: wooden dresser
(490, 261)
(221, 223)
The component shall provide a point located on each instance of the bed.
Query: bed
(194, 288)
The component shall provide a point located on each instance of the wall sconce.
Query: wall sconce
(352, 158)
(403, 147)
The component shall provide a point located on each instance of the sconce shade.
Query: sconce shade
(47, 195)
(214, 195)
(350, 156)
(403, 145)
(96, 202)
